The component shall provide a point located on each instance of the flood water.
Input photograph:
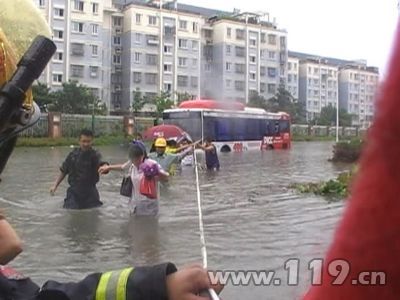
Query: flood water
(253, 220)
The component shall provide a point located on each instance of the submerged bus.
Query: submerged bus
(232, 126)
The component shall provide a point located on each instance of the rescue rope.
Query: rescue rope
(211, 292)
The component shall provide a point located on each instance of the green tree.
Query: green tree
(138, 101)
(163, 102)
(257, 101)
(75, 98)
(43, 96)
(284, 101)
(328, 117)
(183, 97)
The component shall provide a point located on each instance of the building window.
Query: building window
(239, 85)
(207, 67)
(252, 76)
(182, 44)
(272, 39)
(263, 87)
(239, 34)
(95, 50)
(252, 59)
(42, 3)
(77, 27)
(289, 78)
(195, 45)
(239, 51)
(137, 77)
(194, 81)
(228, 50)
(95, 8)
(228, 83)
(58, 34)
(151, 59)
(94, 72)
(138, 38)
(151, 78)
(240, 68)
(182, 81)
(168, 50)
(228, 66)
(271, 88)
(152, 20)
(195, 27)
(117, 59)
(289, 66)
(117, 40)
(95, 29)
(168, 87)
(57, 78)
(262, 71)
(77, 49)
(137, 57)
(77, 71)
(229, 32)
(59, 13)
(253, 42)
(182, 61)
(79, 5)
(58, 57)
(183, 25)
(263, 39)
(283, 42)
(167, 68)
(138, 19)
(271, 55)
(117, 21)
(194, 62)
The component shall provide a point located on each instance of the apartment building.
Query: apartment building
(325, 81)
(162, 51)
(358, 86)
(293, 68)
(319, 85)
(82, 31)
(244, 54)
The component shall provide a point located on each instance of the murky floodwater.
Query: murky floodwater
(252, 220)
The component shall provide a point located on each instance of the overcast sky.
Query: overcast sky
(347, 29)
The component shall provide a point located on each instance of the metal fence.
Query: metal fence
(71, 125)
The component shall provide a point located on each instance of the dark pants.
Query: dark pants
(82, 198)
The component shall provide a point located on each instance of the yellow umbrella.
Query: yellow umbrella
(20, 23)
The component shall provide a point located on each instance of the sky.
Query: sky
(346, 29)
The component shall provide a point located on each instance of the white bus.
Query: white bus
(232, 126)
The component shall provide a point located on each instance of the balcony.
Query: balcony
(152, 40)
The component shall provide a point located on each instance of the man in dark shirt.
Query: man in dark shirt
(81, 166)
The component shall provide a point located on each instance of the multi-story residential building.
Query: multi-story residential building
(318, 85)
(244, 54)
(115, 47)
(357, 90)
(327, 81)
(82, 33)
(293, 67)
(162, 51)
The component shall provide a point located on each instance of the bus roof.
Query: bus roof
(255, 112)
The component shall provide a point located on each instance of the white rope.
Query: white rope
(211, 292)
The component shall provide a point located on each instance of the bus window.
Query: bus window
(284, 126)
(223, 130)
(209, 128)
(239, 129)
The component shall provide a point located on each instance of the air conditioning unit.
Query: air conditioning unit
(118, 30)
(118, 50)
(117, 88)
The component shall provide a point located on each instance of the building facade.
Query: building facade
(293, 69)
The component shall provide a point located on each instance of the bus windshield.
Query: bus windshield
(188, 121)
